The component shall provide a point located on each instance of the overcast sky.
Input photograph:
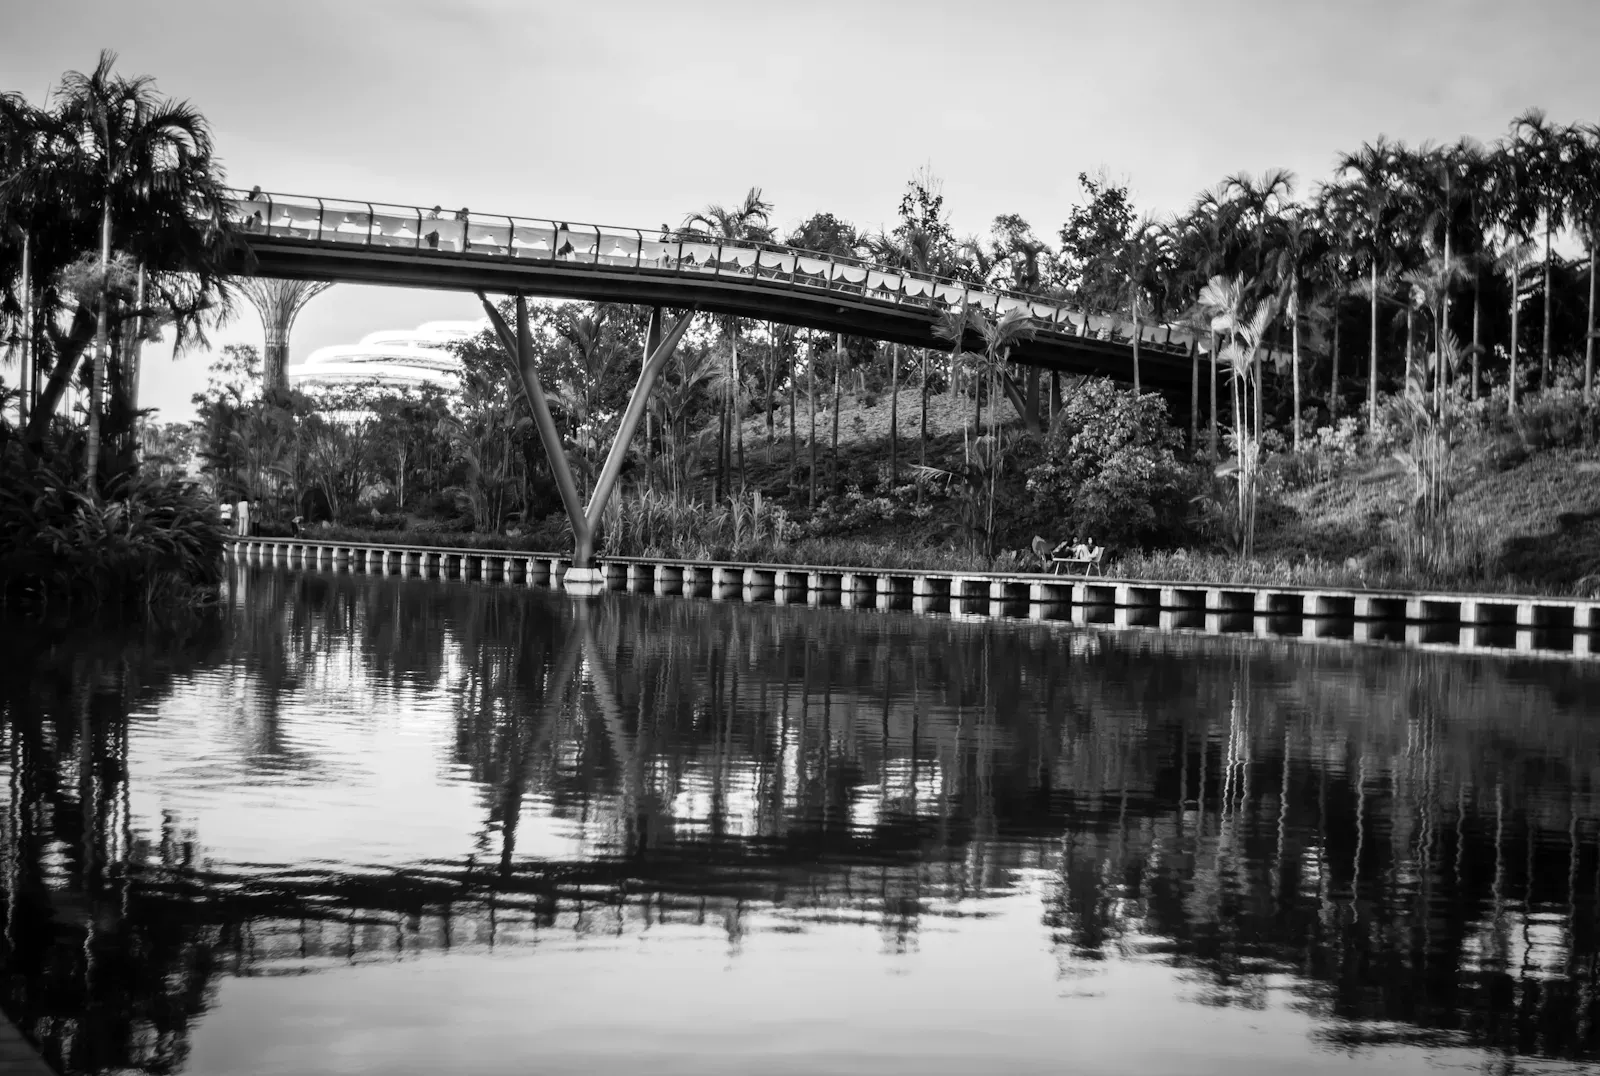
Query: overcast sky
(636, 113)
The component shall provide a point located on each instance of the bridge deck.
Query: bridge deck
(299, 237)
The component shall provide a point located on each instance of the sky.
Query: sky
(638, 112)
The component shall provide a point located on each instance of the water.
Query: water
(372, 825)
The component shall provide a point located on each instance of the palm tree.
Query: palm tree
(1203, 246)
(25, 145)
(134, 142)
(1243, 324)
(1368, 179)
(999, 336)
(1475, 168)
(1546, 150)
(278, 302)
(1139, 260)
(1297, 248)
(745, 221)
(1515, 211)
(1585, 191)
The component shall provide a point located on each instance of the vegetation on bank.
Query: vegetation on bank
(1396, 381)
(141, 542)
(109, 234)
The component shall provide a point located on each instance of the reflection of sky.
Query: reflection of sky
(352, 769)
(370, 783)
(983, 995)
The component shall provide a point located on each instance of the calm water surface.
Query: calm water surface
(373, 825)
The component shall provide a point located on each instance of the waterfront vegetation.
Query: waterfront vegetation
(1402, 355)
(110, 234)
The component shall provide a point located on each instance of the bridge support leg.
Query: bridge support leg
(519, 346)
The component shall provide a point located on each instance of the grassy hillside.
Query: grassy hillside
(1527, 522)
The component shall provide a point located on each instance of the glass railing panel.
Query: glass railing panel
(812, 267)
(489, 236)
(740, 260)
(776, 263)
(656, 254)
(345, 222)
(698, 256)
(878, 280)
(532, 239)
(443, 235)
(618, 248)
(396, 226)
(575, 244)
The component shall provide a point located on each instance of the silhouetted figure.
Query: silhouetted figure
(433, 239)
(433, 214)
(255, 192)
(461, 214)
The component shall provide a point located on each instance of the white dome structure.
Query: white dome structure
(393, 358)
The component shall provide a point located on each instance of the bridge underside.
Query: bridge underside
(1166, 369)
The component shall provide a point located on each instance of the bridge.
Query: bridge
(303, 237)
(310, 238)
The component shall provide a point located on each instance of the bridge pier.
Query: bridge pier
(582, 576)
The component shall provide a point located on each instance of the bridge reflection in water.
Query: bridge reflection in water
(1390, 853)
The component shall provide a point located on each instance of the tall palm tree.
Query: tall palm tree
(1546, 150)
(278, 302)
(1514, 210)
(1243, 323)
(1585, 192)
(1139, 267)
(26, 137)
(134, 142)
(742, 221)
(1475, 168)
(1297, 246)
(1203, 247)
(1367, 177)
(999, 336)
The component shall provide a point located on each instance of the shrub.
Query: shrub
(1556, 418)
(1110, 469)
(146, 541)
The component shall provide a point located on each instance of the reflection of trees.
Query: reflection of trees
(1407, 838)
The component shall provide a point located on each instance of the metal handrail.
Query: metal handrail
(1064, 317)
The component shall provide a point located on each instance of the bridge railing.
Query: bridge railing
(462, 232)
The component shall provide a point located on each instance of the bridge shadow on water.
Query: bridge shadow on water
(1402, 845)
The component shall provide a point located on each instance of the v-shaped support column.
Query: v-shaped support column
(585, 520)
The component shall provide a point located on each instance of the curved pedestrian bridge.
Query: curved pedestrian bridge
(308, 237)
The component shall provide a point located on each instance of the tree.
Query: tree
(1110, 468)
(999, 336)
(133, 142)
(1543, 151)
(1243, 325)
(1515, 211)
(745, 221)
(1298, 246)
(1585, 215)
(1092, 240)
(1367, 179)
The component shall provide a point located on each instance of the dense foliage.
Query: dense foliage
(1111, 469)
(142, 542)
(1412, 307)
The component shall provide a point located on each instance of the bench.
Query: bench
(1067, 564)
